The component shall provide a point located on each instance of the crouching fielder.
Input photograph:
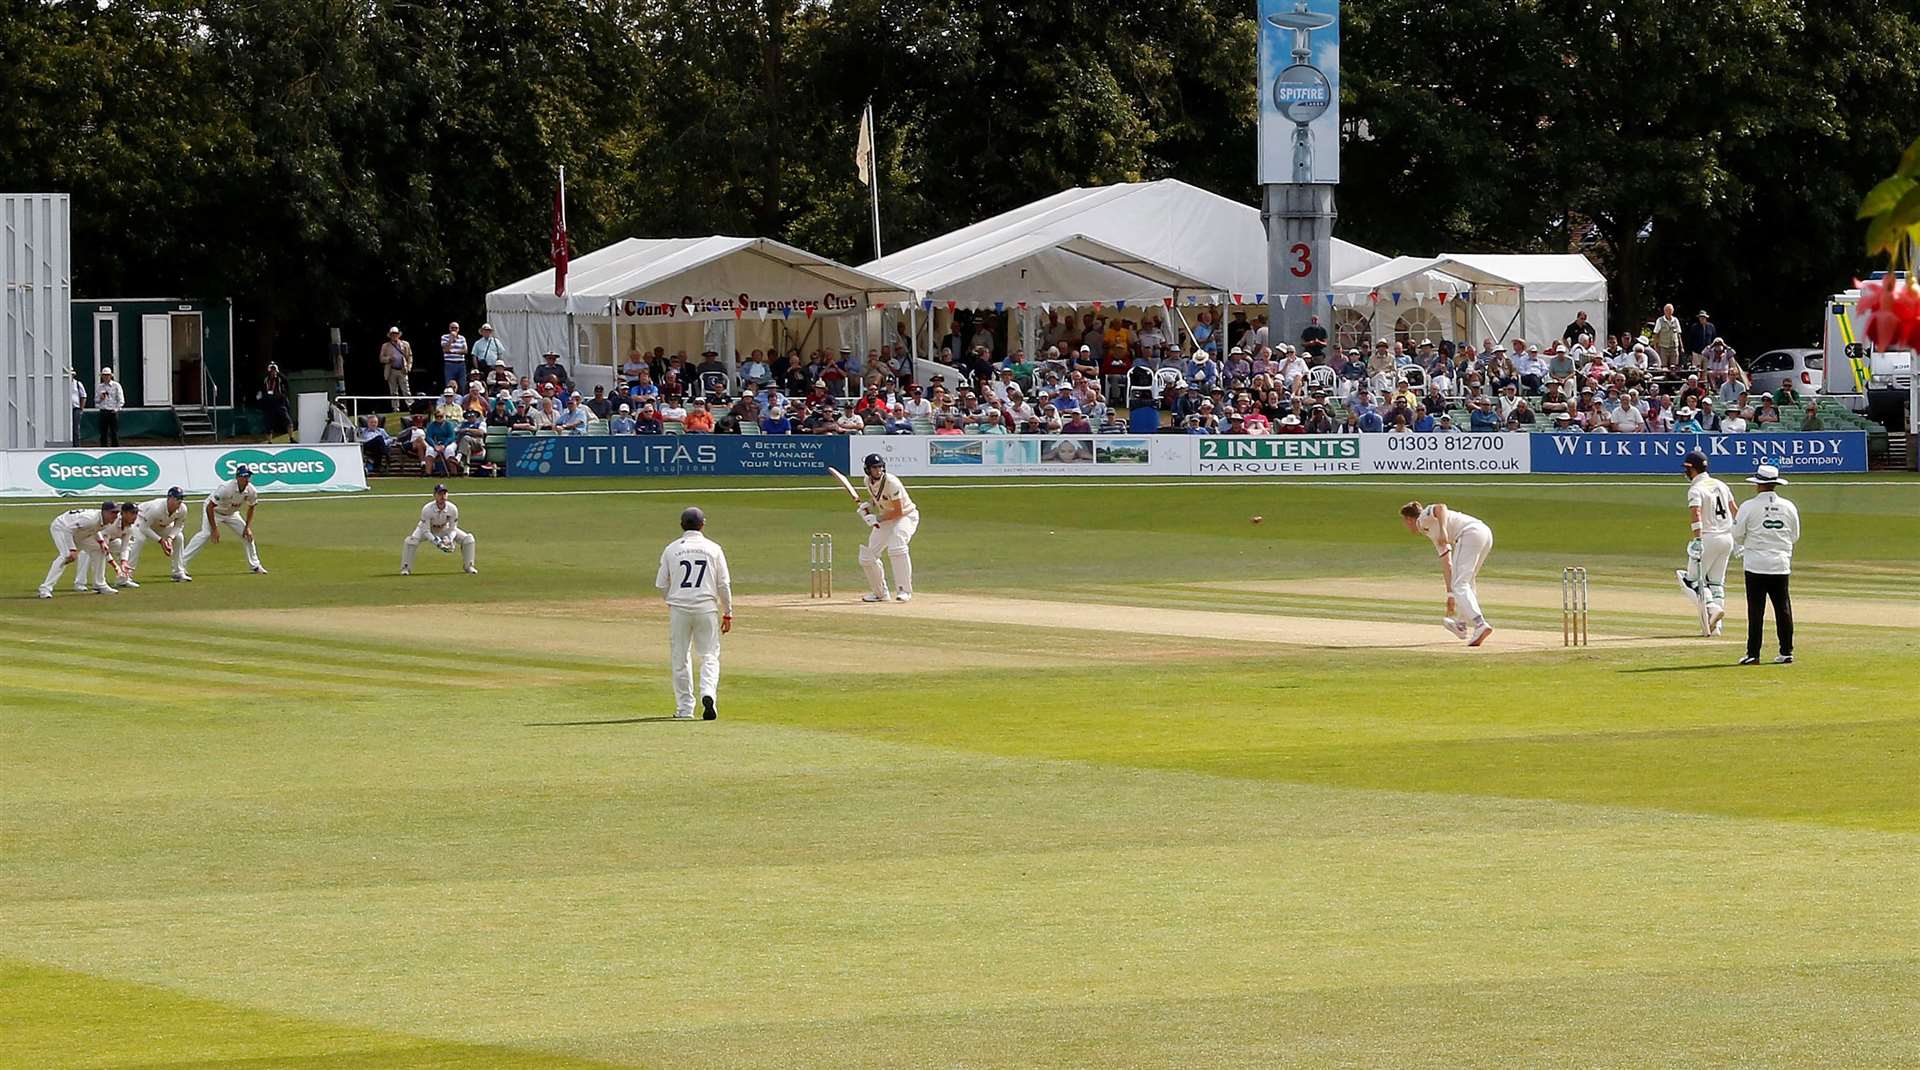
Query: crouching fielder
(115, 538)
(439, 523)
(71, 530)
(1711, 509)
(693, 575)
(1463, 543)
(223, 509)
(162, 520)
(894, 518)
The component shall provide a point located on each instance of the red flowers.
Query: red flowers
(1892, 308)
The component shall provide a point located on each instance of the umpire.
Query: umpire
(1766, 529)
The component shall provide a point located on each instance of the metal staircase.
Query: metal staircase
(196, 425)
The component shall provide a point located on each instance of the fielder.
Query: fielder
(115, 537)
(223, 510)
(699, 590)
(1766, 531)
(894, 518)
(1711, 509)
(71, 530)
(162, 520)
(440, 524)
(1463, 544)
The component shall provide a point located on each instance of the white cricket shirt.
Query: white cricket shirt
(1715, 503)
(229, 499)
(693, 574)
(1768, 527)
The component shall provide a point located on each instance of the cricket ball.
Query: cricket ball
(1258, 519)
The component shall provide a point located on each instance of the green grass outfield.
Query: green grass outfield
(332, 818)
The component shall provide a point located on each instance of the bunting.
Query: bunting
(1374, 296)
(1119, 304)
(1282, 298)
(1167, 301)
(1237, 301)
(1396, 297)
(1260, 299)
(999, 306)
(1306, 299)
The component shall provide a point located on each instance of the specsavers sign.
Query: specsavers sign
(197, 469)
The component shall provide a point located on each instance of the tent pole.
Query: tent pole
(613, 335)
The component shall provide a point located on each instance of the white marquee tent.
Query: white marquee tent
(1531, 296)
(1143, 242)
(689, 294)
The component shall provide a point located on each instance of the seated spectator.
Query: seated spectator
(501, 378)
(574, 420)
(1786, 397)
(1627, 417)
(598, 403)
(622, 422)
(631, 368)
(818, 420)
(544, 416)
(442, 453)
(1423, 421)
(1076, 424)
(448, 404)
(646, 420)
(671, 411)
(711, 364)
(1318, 421)
(1368, 420)
(550, 370)
(699, 419)
(1734, 422)
(1811, 422)
(776, 421)
(473, 441)
(1481, 415)
(1564, 363)
(1709, 419)
(754, 371)
(375, 443)
(1767, 415)
(476, 398)
(1201, 372)
(1685, 422)
(1444, 424)
(1564, 421)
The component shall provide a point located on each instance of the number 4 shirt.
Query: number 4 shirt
(1715, 503)
(693, 573)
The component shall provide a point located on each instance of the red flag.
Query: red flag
(561, 250)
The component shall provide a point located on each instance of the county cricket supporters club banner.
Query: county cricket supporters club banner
(676, 455)
(134, 472)
(1792, 452)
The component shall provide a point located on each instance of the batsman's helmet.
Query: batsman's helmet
(176, 492)
(1694, 459)
(873, 460)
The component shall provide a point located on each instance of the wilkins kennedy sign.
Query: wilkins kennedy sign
(1798, 451)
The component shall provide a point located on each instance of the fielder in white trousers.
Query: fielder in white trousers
(699, 593)
(233, 522)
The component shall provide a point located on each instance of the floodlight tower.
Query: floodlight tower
(1297, 175)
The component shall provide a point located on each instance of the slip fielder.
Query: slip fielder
(440, 524)
(1711, 510)
(1463, 543)
(699, 591)
(162, 520)
(72, 529)
(223, 509)
(894, 518)
(114, 537)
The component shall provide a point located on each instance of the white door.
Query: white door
(156, 360)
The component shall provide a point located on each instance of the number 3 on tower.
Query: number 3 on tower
(1303, 255)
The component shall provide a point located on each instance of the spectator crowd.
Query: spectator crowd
(1109, 372)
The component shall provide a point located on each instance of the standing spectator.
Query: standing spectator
(453, 355)
(1666, 337)
(489, 353)
(113, 398)
(274, 403)
(77, 394)
(1699, 335)
(396, 362)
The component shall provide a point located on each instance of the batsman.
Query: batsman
(894, 518)
(1710, 511)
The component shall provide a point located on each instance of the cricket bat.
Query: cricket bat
(845, 483)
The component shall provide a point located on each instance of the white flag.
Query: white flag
(863, 151)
